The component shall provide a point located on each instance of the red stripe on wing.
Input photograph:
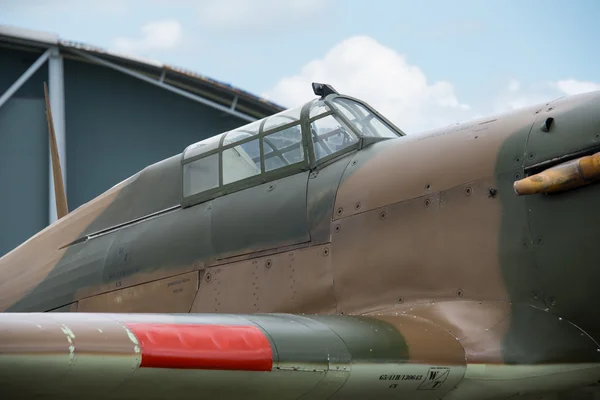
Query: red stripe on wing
(215, 347)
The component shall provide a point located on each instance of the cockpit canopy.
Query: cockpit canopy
(291, 141)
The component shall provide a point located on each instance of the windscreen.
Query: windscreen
(363, 120)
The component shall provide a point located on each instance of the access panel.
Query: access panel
(263, 217)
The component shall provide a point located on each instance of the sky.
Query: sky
(422, 63)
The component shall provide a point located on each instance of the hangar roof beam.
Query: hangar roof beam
(163, 85)
(23, 78)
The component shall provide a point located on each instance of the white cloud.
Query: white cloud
(572, 86)
(516, 95)
(159, 35)
(514, 85)
(258, 16)
(363, 68)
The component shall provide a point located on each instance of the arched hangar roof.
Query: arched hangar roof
(212, 93)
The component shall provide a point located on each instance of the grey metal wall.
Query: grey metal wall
(23, 152)
(23, 171)
(12, 65)
(115, 126)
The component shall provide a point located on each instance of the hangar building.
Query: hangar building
(113, 116)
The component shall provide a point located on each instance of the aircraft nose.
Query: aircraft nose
(563, 141)
(560, 194)
(564, 129)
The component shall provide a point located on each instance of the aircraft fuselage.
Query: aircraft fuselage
(424, 225)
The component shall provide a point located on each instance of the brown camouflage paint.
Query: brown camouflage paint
(24, 268)
(423, 232)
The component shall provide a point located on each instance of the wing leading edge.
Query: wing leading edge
(187, 356)
(285, 356)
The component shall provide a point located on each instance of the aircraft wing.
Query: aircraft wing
(259, 356)
(284, 356)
